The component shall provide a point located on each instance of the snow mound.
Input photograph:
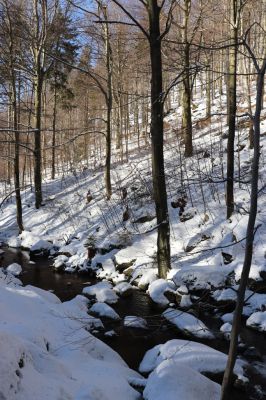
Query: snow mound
(103, 310)
(197, 356)
(257, 321)
(157, 289)
(201, 276)
(14, 269)
(172, 381)
(123, 289)
(132, 321)
(103, 292)
(253, 301)
(33, 242)
(14, 242)
(149, 276)
(188, 323)
(47, 352)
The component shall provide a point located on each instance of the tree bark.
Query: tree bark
(37, 139)
(158, 174)
(109, 104)
(54, 129)
(231, 101)
(228, 375)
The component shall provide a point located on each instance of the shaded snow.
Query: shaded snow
(47, 354)
(172, 380)
(188, 324)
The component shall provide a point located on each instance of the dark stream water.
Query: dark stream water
(132, 344)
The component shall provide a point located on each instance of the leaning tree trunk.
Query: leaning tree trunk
(158, 174)
(227, 380)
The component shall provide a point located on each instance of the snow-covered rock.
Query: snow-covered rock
(157, 289)
(257, 321)
(201, 276)
(107, 269)
(14, 269)
(149, 276)
(188, 324)
(185, 301)
(228, 317)
(226, 330)
(14, 241)
(40, 245)
(123, 289)
(103, 292)
(125, 258)
(33, 242)
(103, 310)
(253, 301)
(131, 321)
(172, 380)
(197, 356)
(48, 353)
(60, 262)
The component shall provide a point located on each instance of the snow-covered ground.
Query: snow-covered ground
(47, 351)
(207, 253)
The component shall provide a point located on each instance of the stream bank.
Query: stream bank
(133, 343)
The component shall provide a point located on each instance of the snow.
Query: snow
(185, 301)
(228, 317)
(157, 289)
(47, 354)
(14, 269)
(14, 242)
(131, 321)
(103, 310)
(172, 380)
(103, 292)
(67, 221)
(226, 330)
(33, 242)
(188, 324)
(60, 261)
(197, 356)
(201, 275)
(253, 301)
(257, 321)
(123, 289)
(149, 276)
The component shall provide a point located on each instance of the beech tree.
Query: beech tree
(154, 35)
(11, 58)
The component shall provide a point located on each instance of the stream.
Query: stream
(132, 343)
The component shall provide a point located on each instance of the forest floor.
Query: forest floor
(207, 257)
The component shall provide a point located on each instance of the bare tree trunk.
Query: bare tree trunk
(186, 99)
(37, 141)
(227, 380)
(158, 175)
(109, 104)
(231, 101)
(54, 130)
(15, 125)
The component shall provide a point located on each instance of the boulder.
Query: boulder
(14, 269)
